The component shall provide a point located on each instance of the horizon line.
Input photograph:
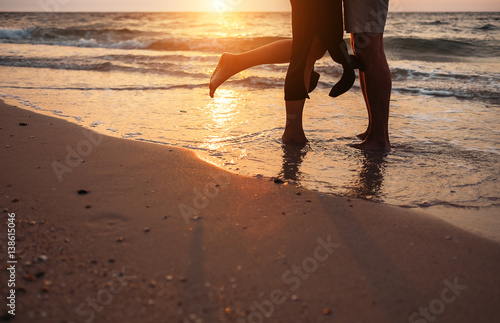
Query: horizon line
(182, 11)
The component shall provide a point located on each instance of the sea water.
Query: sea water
(144, 76)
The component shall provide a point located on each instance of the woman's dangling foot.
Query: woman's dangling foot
(224, 70)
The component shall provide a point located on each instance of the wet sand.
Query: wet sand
(114, 230)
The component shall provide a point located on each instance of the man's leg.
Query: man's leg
(230, 64)
(363, 135)
(376, 84)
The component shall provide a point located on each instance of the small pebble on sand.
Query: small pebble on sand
(29, 277)
(43, 258)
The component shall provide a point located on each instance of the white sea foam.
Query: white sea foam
(7, 33)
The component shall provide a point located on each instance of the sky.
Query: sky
(226, 5)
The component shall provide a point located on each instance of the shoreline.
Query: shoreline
(481, 221)
(152, 232)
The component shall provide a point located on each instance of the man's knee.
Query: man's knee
(366, 43)
(368, 47)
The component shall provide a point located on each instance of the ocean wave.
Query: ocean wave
(456, 93)
(147, 67)
(128, 39)
(400, 73)
(54, 63)
(432, 49)
(487, 27)
(75, 32)
(10, 34)
(435, 23)
(174, 57)
(108, 89)
(259, 82)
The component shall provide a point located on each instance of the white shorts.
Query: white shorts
(365, 16)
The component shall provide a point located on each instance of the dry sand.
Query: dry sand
(133, 249)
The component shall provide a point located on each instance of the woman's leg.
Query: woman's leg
(294, 132)
(230, 64)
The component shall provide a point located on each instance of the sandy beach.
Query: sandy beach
(115, 230)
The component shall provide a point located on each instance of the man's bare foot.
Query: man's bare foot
(224, 70)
